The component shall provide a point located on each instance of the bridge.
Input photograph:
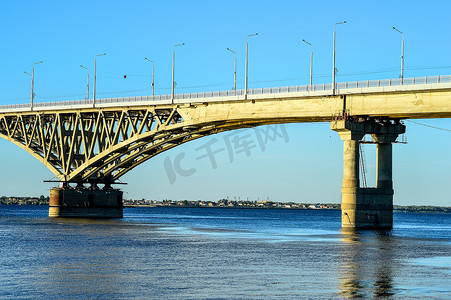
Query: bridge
(89, 146)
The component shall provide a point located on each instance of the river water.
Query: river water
(190, 253)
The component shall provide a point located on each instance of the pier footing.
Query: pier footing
(85, 203)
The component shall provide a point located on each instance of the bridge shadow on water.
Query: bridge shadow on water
(367, 264)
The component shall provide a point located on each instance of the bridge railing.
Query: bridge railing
(230, 93)
(14, 106)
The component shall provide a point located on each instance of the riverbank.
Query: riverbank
(397, 208)
(224, 203)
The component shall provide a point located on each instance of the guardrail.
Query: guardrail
(260, 91)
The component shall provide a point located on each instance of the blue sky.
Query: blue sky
(307, 168)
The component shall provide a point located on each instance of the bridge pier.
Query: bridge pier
(92, 202)
(367, 207)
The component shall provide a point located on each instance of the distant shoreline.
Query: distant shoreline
(398, 208)
(232, 204)
(409, 209)
(228, 207)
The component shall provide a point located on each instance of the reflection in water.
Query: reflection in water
(367, 262)
(384, 262)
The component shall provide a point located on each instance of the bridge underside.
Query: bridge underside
(101, 146)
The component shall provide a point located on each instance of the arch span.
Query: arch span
(104, 144)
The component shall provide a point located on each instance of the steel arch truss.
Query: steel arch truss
(98, 145)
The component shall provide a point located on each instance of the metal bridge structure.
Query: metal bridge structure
(85, 143)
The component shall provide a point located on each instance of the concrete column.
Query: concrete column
(384, 166)
(351, 171)
(351, 182)
(382, 205)
(383, 208)
(350, 163)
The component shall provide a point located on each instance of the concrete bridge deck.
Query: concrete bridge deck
(418, 97)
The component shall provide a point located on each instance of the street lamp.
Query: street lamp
(311, 61)
(32, 83)
(402, 54)
(95, 73)
(153, 75)
(245, 84)
(333, 60)
(173, 69)
(31, 103)
(234, 72)
(87, 84)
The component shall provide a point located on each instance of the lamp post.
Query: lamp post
(333, 60)
(311, 61)
(245, 83)
(153, 75)
(31, 103)
(402, 54)
(95, 75)
(234, 72)
(32, 83)
(87, 84)
(173, 69)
